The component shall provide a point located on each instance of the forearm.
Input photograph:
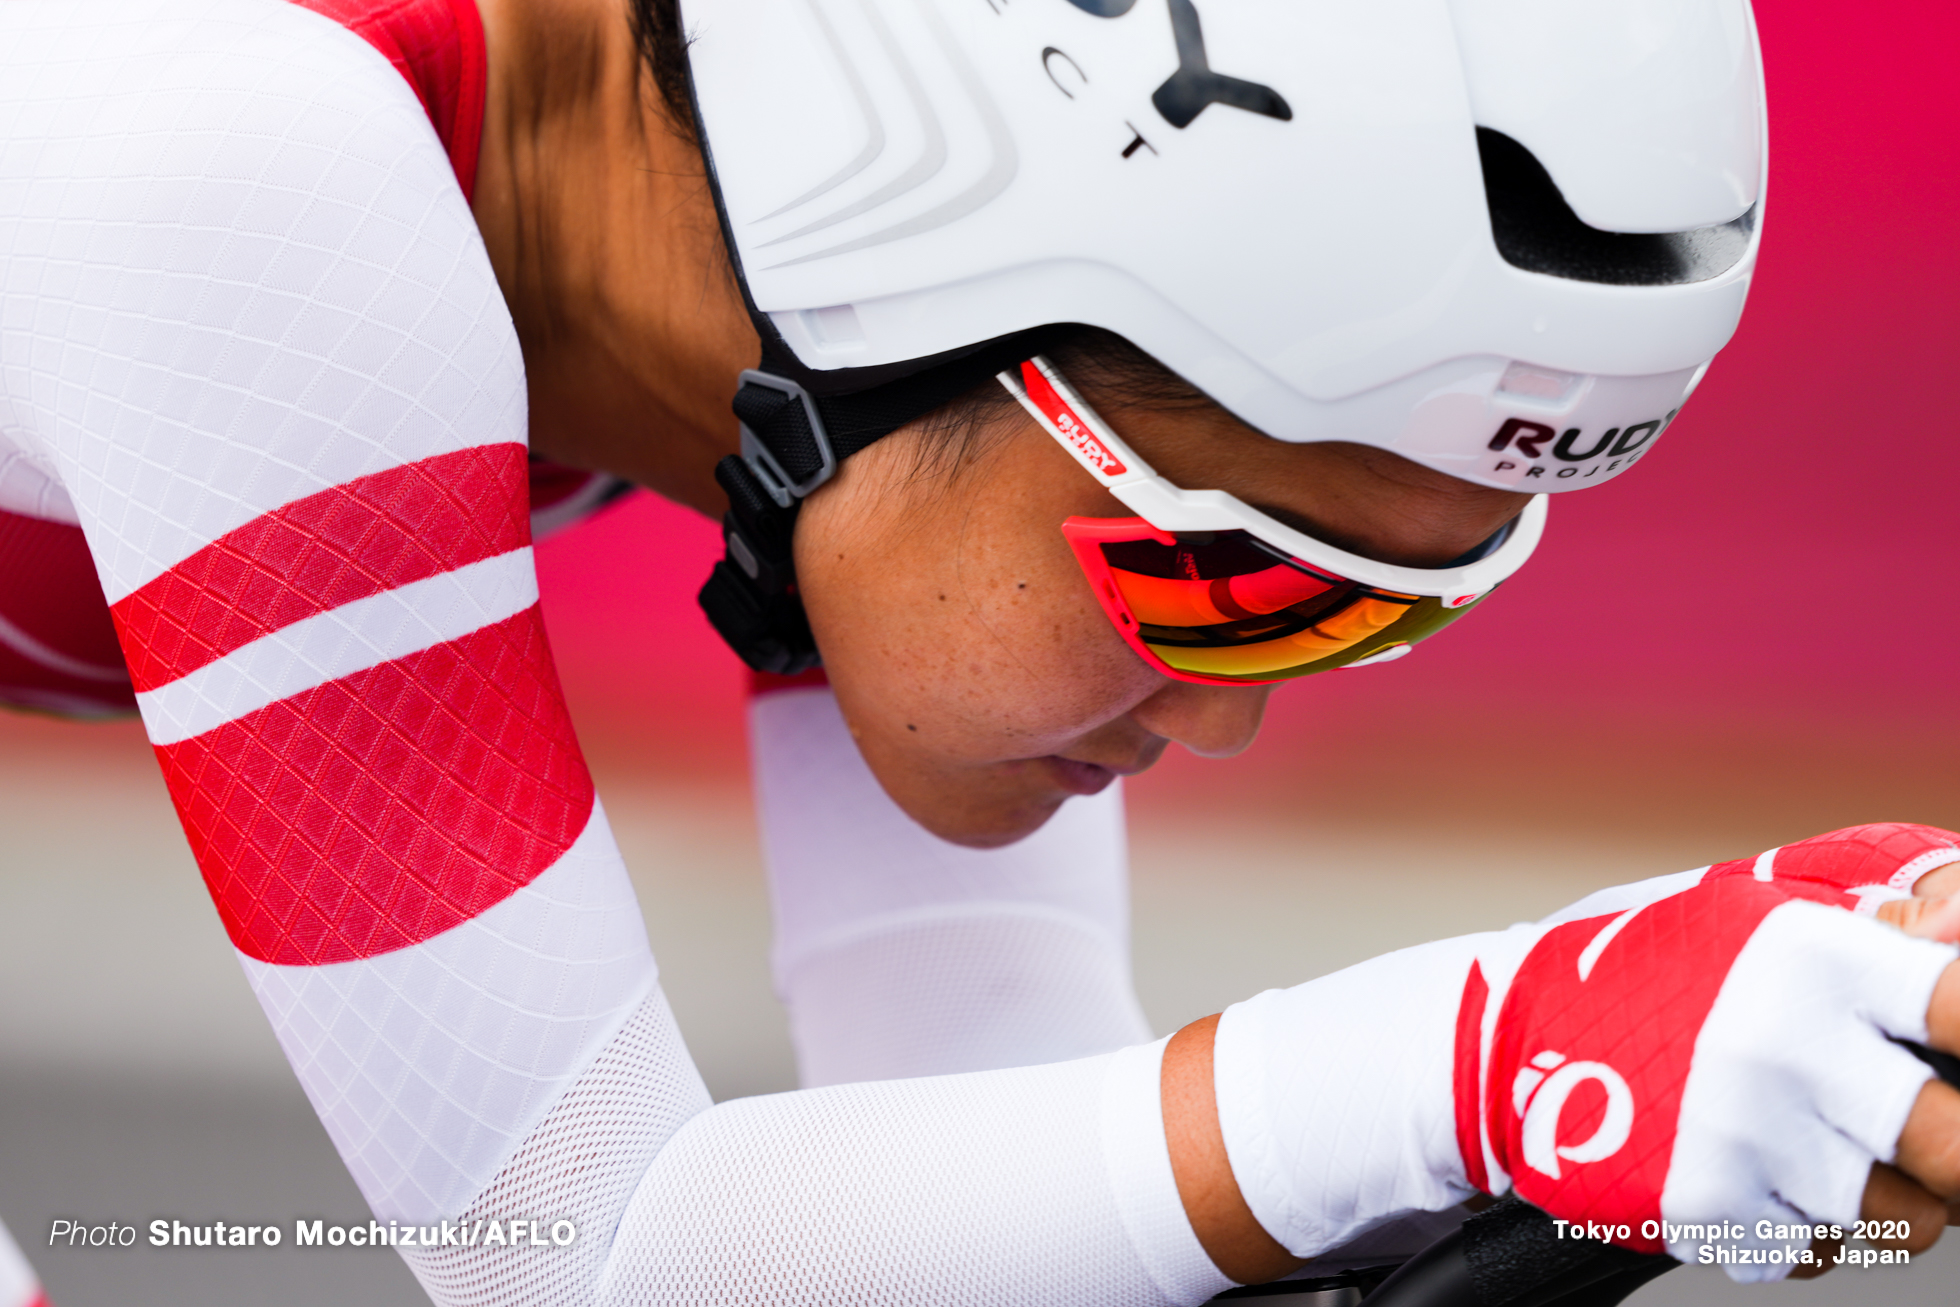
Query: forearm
(1039, 1185)
(1302, 1119)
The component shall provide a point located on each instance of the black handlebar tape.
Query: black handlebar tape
(1511, 1255)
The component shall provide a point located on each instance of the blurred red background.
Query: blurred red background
(1759, 619)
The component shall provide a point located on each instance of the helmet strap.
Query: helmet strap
(794, 441)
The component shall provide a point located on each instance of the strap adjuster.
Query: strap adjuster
(776, 481)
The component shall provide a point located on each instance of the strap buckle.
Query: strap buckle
(761, 459)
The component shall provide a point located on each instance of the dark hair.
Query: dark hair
(1111, 371)
(663, 49)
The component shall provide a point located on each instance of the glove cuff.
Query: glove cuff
(1335, 1098)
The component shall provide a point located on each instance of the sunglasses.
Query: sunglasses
(1206, 588)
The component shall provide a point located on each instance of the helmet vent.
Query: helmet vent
(1537, 231)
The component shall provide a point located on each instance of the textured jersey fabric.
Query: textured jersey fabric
(56, 641)
(247, 325)
(437, 47)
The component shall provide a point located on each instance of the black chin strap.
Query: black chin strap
(793, 442)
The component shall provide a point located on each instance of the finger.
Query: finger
(1943, 1013)
(1927, 918)
(1900, 913)
(1939, 882)
(1929, 1147)
(1823, 1256)
(1895, 1201)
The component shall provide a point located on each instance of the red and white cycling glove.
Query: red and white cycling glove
(1703, 1049)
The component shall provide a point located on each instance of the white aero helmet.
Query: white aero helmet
(1502, 238)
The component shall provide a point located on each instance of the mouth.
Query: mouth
(1082, 778)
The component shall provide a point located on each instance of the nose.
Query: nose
(1212, 721)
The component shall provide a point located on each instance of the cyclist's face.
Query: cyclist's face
(981, 679)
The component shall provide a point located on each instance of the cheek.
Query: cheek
(980, 645)
(1041, 666)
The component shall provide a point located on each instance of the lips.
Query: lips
(1080, 777)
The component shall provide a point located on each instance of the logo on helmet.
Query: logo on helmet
(1529, 439)
(1194, 87)
(1539, 1100)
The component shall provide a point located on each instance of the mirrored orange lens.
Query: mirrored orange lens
(1174, 601)
(1293, 653)
(1225, 606)
(1228, 606)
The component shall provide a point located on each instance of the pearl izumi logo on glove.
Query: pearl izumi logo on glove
(1684, 1060)
(1592, 1048)
(1540, 1095)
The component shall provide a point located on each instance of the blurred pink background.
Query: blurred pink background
(1760, 618)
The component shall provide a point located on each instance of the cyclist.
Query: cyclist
(1118, 363)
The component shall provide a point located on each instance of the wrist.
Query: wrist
(1231, 1236)
(1336, 1100)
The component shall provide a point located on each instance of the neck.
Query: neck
(596, 210)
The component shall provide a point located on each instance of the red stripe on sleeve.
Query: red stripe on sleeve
(373, 534)
(376, 811)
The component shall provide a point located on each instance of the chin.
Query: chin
(989, 826)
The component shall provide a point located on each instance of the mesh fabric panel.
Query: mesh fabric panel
(984, 1190)
(582, 1164)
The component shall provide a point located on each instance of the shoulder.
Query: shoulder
(238, 89)
(229, 164)
(232, 234)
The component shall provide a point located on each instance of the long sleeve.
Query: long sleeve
(246, 320)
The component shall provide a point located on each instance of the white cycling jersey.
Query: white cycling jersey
(248, 327)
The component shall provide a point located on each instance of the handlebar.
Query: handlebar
(1508, 1255)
